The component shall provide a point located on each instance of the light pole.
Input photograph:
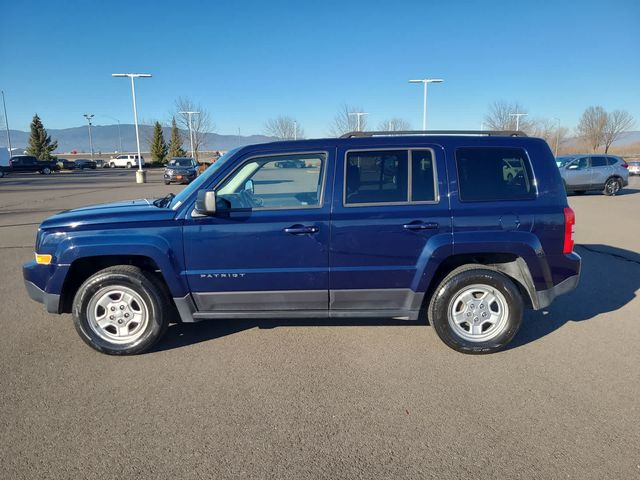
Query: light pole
(518, 115)
(89, 116)
(119, 134)
(425, 82)
(358, 115)
(193, 154)
(557, 136)
(6, 124)
(295, 130)
(140, 174)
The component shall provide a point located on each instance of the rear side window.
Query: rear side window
(488, 173)
(598, 161)
(612, 160)
(377, 177)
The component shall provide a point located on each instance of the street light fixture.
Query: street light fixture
(557, 135)
(193, 154)
(140, 174)
(358, 115)
(425, 82)
(518, 115)
(89, 116)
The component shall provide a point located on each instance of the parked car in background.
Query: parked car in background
(414, 227)
(180, 170)
(65, 164)
(83, 163)
(125, 161)
(634, 167)
(292, 163)
(101, 164)
(29, 163)
(582, 173)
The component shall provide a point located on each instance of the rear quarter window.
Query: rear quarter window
(494, 173)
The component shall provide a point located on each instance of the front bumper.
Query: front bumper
(50, 300)
(179, 177)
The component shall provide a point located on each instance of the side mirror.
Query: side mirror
(249, 187)
(206, 202)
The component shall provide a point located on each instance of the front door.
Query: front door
(389, 209)
(267, 246)
(578, 174)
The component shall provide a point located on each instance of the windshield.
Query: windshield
(562, 161)
(195, 185)
(180, 162)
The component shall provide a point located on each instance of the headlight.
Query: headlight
(169, 172)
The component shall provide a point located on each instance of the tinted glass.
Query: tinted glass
(422, 176)
(377, 177)
(598, 161)
(260, 183)
(486, 174)
(612, 160)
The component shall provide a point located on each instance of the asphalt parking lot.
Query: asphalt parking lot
(311, 399)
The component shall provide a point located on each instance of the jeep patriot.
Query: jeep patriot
(461, 229)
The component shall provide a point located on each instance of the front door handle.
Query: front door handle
(420, 226)
(301, 229)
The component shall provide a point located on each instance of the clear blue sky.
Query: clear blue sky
(247, 61)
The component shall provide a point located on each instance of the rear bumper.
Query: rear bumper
(545, 297)
(50, 300)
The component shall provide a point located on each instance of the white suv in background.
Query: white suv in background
(125, 161)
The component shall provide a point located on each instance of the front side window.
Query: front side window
(275, 182)
(486, 174)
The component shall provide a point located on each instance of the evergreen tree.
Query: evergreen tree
(40, 144)
(175, 145)
(158, 147)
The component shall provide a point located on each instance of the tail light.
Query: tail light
(625, 165)
(569, 230)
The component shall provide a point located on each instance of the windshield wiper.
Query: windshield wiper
(164, 201)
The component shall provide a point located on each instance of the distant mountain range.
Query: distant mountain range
(106, 139)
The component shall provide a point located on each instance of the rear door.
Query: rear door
(389, 204)
(600, 171)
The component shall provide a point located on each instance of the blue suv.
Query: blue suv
(465, 229)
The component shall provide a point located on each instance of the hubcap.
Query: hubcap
(478, 313)
(613, 186)
(118, 314)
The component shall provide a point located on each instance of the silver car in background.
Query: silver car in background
(582, 173)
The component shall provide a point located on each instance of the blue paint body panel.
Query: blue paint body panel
(354, 248)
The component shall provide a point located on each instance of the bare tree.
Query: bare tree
(592, 126)
(553, 133)
(618, 122)
(284, 128)
(500, 118)
(394, 125)
(344, 123)
(201, 122)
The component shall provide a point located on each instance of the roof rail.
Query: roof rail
(488, 133)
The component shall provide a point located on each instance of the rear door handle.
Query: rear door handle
(420, 226)
(301, 229)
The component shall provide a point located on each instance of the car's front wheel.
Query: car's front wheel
(128, 164)
(46, 171)
(121, 311)
(476, 310)
(112, 165)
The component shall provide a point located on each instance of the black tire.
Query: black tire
(152, 293)
(1, 173)
(456, 282)
(612, 186)
(112, 165)
(166, 183)
(46, 171)
(128, 164)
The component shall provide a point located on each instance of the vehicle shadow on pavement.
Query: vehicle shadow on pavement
(609, 280)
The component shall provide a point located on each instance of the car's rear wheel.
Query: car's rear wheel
(112, 165)
(476, 310)
(121, 311)
(46, 171)
(612, 187)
